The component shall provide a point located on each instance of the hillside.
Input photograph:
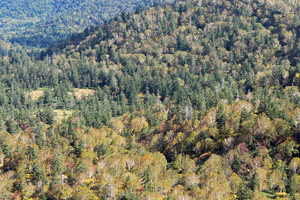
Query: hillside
(42, 23)
(191, 100)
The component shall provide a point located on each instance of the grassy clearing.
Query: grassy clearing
(80, 93)
(34, 95)
(60, 114)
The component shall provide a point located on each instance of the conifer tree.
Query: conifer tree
(147, 180)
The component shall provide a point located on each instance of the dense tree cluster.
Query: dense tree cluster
(192, 100)
(41, 23)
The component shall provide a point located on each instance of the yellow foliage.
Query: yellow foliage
(268, 162)
(88, 154)
(29, 176)
(45, 188)
(155, 196)
(137, 124)
(165, 186)
(88, 181)
(297, 78)
(263, 173)
(281, 194)
(147, 159)
(204, 155)
(178, 190)
(234, 182)
(221, 190)
(297, 182)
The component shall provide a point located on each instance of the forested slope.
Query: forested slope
(192, 100)
(41, 23)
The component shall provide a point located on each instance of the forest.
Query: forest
(196, 99)
(33, 23)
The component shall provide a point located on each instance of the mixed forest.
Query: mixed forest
(41, 23)
(198, 99)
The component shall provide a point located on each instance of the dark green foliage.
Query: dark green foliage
(38, 173)
(255, 181)
(12, 126)
(292, 187)
(221, 116)
(80, 168)
(243, 192)
(32, 153)
(102, 150)
(22, 182)
(236, 163)
(57, 164)
(71, 179)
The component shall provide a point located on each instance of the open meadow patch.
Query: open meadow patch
(80, 93)
(62, 114)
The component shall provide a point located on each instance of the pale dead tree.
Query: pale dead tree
(257, 162)
(166, 108)
(297, 119)
(199, 3)
(129, 163)
(54, 59)
(136, 19)
(237, 96)
(228, 143)
(184, 197)
(81, 178)
(169, 136)
(257, 103)
(100, 165)
(116, 37)
(294, 164)
(2, 156)
(188, 112)
(249, 96)
(117, 165)
(149, 18)
(55, 103)
(71, 102)
(62, 179)
(161, 15)
(111, 188)
(142, 36)
(39, 186)
(48, 59)
(91, 171)
(192, 180)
